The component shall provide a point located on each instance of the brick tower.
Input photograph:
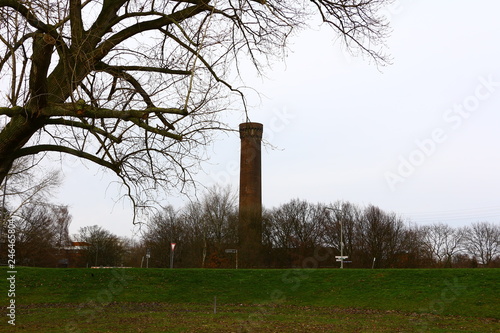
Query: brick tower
(250, 210)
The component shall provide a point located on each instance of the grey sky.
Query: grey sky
(419, 137)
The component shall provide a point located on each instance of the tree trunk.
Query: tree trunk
(13, 137)
(22, 127)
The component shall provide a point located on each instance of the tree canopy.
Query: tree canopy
(137, 87)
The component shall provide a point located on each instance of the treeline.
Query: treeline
(371, 237)
(292, 233)
(40, 231)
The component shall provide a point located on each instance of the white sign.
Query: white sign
(231, 251)
(341, 257)
(172, 246)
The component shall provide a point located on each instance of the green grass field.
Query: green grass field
(203, 300)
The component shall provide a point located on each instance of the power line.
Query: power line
(477, 214)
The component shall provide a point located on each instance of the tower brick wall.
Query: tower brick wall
(250, 205)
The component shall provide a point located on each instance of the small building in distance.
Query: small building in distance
(74, 255)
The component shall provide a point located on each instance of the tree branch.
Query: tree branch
(13, 111)
(13, 48)
(28, 15)
(82, 110)
(151, 129)
(89, 127)
(207, 66)
(139, 27)
(76, 22)
(33, 150)
(145, 69)
(116, 72)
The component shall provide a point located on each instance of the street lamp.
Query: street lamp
(341, 236)
(172, 249)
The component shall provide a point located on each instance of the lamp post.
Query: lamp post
(341, 236)
(172, 249)
(342, 241)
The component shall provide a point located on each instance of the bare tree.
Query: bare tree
(106, 249)
(380, 235)
(165, 228)
(443, 242)
(483, 241)
(41, 232)
(295, 229)
(61, 221)
(27, 184)
(134, 252)
(136, 86)
(202, 230)
(197, 232)
(414, 249)
(289, 223)
(343, 215)
(220, 215)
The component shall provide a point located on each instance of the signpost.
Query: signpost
(172, 248)
(341, 259)
(148, 255)
(234, 251)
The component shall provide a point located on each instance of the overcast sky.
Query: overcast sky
(419, 137)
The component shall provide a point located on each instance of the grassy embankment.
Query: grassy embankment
(324, 300)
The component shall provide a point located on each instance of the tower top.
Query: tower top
(251, 130)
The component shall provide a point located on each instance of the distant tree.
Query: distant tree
(164, 228)
(414, 251)
(134, 252)
(61, 221)
(106, 249)
(380, 236)
(41, 232)
(202, 230)
(279, 236)
(280, 228)
(220, 215)
(27, 184)
(197, 242)
(464, 260)
(295, 229)
(220, 223)
(483, 241)
(34, 237)
(348, 216)
(136, 86)
(443, 242)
